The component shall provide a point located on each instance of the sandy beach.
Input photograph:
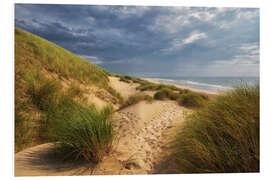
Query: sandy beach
(153, 80)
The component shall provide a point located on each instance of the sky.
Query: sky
(152, 41)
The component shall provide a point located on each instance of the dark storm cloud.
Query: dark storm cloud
(155, 40)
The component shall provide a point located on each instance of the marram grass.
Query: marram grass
(39, 67)
(81, 131)
(222, 137)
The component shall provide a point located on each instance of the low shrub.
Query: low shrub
(128, 77)
(192, 100)
(139, 81)
(174, 96)
(154, 87)
(162, 94)
(223, 136)
(166, 93)
(145, 87)
(137, 98)
(185, 97)
(124, 79)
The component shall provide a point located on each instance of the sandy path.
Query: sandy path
(143, 130)
(144, 135)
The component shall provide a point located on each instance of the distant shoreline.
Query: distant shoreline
(153, 80)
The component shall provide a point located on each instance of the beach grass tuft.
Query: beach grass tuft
(223, 136)
(81, 131)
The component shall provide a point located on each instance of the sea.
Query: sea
(212, 84)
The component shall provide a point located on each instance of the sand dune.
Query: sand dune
(144, 131)
(126, 89)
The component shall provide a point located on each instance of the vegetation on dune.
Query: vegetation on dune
(129, 79)
(193, 100)
(136, 98)
(40, 66)
(188, 98)
(184, 97)
(153, 87)
(126, 79)
(41, 89)
(80, 131)
(23, 132)
(75, 90)
(38, 95)
(148, 86)
(34, 52)
(166, 93)
(223, 136)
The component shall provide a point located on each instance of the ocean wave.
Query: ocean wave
(160, 79)
(193, 83)
(204, 84)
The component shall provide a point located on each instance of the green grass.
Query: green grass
(39, 67)
(193, 100)
(75, 90)
(129, 79)
(126, 79)
(222, 137)
(33, 51)
(145, 85)
(188, 98)
(41, 89)
(80, 131)
(135, 99)
(166, 93)
(23, 134)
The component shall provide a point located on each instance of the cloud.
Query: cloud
(165, 23)
(149, 39)
(249, 15)
(194, 36)
(178, 44)
(133, 11)
(235, 16)
(252, 48)
(249, 55)
(203, 16)
(178, 18)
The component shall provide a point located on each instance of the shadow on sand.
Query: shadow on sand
(43, 160)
